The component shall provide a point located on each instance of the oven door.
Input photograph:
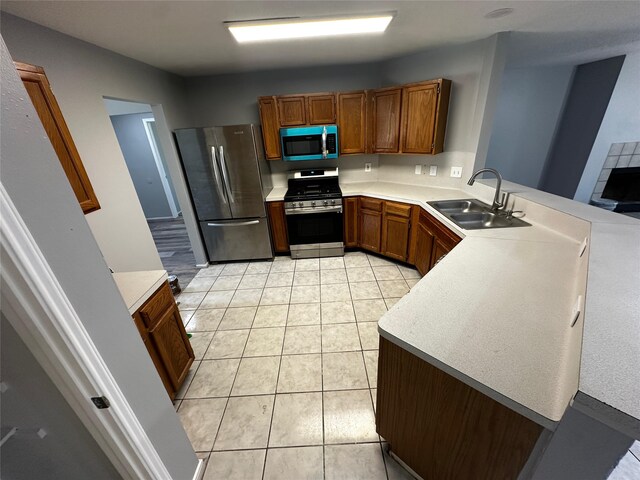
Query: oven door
(315, 233)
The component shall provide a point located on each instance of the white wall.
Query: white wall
(529, 107)
(80, 75)
(621, 123)
(34, 180)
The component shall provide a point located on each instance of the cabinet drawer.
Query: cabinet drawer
(371, 204)
(446, 236)
(152, 311)
(398, 209)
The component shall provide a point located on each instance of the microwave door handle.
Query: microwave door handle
(216, 174)
(225, 174)
(324, 142)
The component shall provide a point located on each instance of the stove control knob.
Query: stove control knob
(313, 204)
(333, 202)
(326, 202)
(300, 204)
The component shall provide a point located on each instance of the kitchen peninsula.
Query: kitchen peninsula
(496, 313)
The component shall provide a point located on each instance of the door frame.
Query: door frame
(39, 310)
(159, 165)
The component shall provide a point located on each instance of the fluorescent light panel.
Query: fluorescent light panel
(252, 32)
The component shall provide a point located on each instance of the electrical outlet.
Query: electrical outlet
(418, 170)
(433, 170)
(456, 172)
(367, 167)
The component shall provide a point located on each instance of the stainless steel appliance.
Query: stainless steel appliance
(313, 209)
(228, 178)
(316, 142)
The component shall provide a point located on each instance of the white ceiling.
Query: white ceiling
(189, 38)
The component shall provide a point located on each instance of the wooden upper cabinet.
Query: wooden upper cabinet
(39, 90)
(424, 116)
(386, 120)
(321, 109)
(418, 118)
(292, 110)
(270, 127)
(352, 109)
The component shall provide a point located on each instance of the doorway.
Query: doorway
(136, 131)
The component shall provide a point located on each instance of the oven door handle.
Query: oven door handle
(308, 210)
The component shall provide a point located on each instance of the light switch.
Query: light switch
(418, 170)
(367, 167)
(433, 170)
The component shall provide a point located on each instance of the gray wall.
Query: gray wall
(528, 111)
(621, 122)
(81, 75)
(137, 153)
(589, 95)
(32, 401)
(34, 180)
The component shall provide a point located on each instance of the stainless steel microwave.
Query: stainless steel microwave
(309, 143)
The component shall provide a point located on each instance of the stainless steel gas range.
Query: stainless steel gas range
(313, 208)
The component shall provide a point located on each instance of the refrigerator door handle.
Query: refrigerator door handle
(225, 175)
(216, 174)
(233, 224)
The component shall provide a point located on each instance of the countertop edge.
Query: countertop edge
(143, 292)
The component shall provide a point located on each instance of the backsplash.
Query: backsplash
(621, 155)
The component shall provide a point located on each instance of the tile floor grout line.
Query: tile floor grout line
(324, 463)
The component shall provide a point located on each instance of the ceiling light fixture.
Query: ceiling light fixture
(501, 12)
(263, 31)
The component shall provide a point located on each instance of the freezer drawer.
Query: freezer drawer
(245, 239)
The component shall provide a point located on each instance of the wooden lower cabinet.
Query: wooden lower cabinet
(278, 227)
(444, 429)
(350, 216)
(370, 224)
(396, 224)
(432, 240)
(160, 326)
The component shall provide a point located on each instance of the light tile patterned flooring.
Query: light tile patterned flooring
(284, 382)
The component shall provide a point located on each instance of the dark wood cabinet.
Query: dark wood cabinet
(278, 227)
(47, 108)
(321, 109)
(433, 240)
(370, 224)
(163, 334)
(350, 217)
(385, 113)
(441, 427)
(292, 110)
(396, 224)
(270, 127)
(352, 122)
(424, 114)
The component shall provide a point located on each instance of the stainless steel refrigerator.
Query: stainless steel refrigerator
(229, 179)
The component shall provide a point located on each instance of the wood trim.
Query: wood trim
(441, 427)
(413, 239)
(50, 114)
(44, 318)
(442, 114)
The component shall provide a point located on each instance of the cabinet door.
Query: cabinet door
(395, 230)
(350, 205)
(386, 120)
(321, 109)
(292, 111)
(440, 249)
(370, 223)
(424, 249)
(352, 118)
(418, 118)
(47, 108)
(278, 226)
(172, 345)
(270, 127)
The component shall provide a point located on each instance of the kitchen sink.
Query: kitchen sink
(472, 214)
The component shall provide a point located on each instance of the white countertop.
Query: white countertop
(137, 287)
(495, 312)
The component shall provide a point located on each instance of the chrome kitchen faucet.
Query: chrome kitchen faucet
(498, 202)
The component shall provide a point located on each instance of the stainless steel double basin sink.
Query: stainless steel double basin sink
(472, 214)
